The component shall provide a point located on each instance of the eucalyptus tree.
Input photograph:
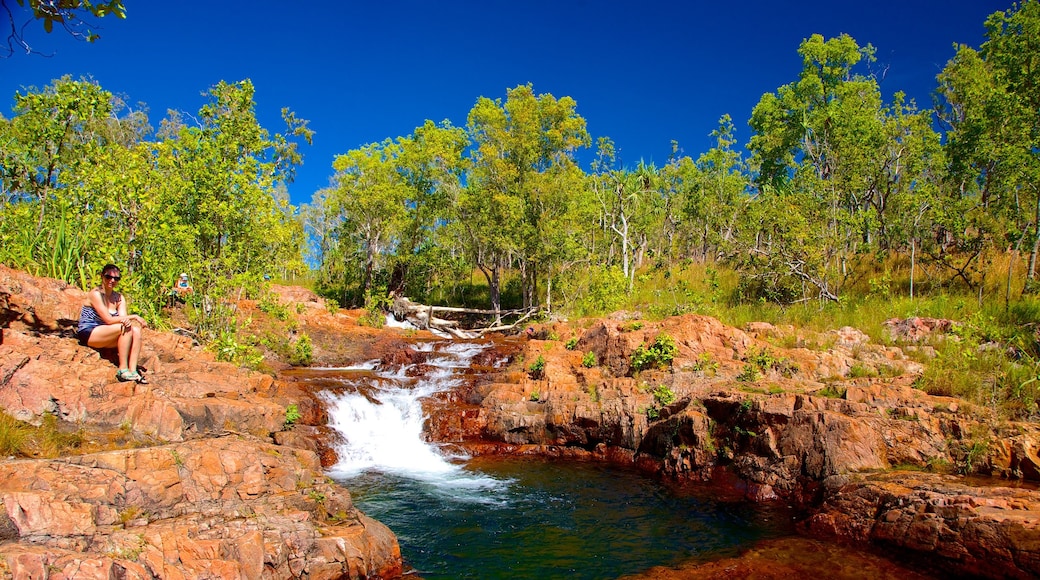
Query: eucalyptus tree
(990, 102)
(827, 149)
(369, 202)
(523, 164)
(431, 165)
(617, 192)
(220, 178)
(714, 190)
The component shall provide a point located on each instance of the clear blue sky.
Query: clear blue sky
(643, 73)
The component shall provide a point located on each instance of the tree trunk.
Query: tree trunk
(491, 274)
(1031, 270)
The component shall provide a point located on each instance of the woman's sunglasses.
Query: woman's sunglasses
(116, 278)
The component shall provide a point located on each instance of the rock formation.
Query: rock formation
(195, 474)
(185, 480)
(829, 422)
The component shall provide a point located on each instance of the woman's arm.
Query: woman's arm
(128, 318)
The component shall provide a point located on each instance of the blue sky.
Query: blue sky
(643, 73)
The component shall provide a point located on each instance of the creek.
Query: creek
(460, 517)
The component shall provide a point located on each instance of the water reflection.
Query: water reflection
(557, 520)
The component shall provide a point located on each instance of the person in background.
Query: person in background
(182, 287)
(104, 323)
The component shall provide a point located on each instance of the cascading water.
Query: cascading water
(382, 425)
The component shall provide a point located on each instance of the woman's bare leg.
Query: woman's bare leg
(125, 347)
(135, 346)
(112, 335)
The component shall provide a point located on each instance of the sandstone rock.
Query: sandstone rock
(917, 328)
(225, 507)
(31, 303)
(987, 531)
(207, 506)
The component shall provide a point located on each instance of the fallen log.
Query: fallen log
(422, 316)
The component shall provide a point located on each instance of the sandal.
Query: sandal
(126, 375)
(141, 380)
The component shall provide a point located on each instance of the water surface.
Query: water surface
(517, 518)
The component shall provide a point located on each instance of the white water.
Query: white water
(384, 431)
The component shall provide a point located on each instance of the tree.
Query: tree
(70, 15)
(826, 148)
(369, 202)
(220, 179)
(523, 173)
(714, 192)
(430, 164)
(991, 105)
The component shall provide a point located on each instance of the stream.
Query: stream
(460, 517)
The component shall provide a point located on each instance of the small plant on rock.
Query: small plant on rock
(537, 368)
(706, 364)
(748, 374)
(292, 415)
(664, 395)
(658, 354)
(572, 343)
(589, 360)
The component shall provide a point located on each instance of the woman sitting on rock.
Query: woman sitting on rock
(104, 323)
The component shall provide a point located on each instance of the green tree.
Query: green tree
(369, 200)
(523, 165)
(990, 101)
(714, 190)
(220, 181)
(827, 149)
(430, 164)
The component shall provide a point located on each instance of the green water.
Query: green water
(536, 519)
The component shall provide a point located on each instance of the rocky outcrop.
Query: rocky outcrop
(186, 480)
(965, 527)
(224, 507)
(798, 417)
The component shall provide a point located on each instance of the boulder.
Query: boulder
(224, 507)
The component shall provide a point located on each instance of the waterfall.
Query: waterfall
(382, 424)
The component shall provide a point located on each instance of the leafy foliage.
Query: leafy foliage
(658, 354)
(537, 368)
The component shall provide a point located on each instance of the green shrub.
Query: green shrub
(572, 343)
(763, 360)
(664, 395)
(748, 374)
(589, 360)
(537, 368)
(271, 305)
(227, 348)
(659, 354)
(375, 311)
(292, 415)
(706, 364)
(302, 351)
(831, 392)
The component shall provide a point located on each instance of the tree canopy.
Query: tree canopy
(500, 212)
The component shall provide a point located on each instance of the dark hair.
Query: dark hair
(108, 268)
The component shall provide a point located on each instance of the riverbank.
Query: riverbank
(200, 470)
(194, 475)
